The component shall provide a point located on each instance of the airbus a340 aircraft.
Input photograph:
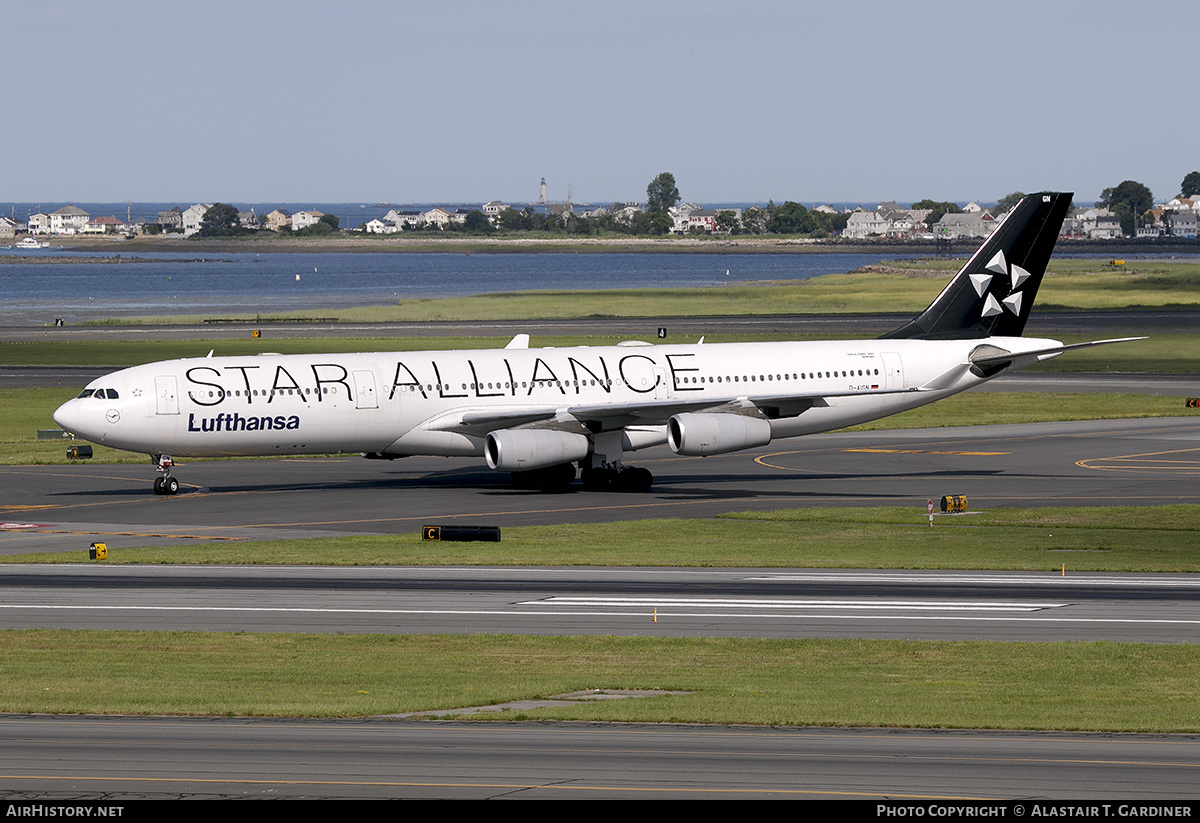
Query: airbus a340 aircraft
(540, 412)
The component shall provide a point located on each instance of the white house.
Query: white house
(193, 218)
(438, 217)
(39, 223)
(863, 224)
(304, 219)
(68, 220)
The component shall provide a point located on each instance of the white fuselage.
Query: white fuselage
(446, 402)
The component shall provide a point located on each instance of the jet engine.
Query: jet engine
(519, 450)
(701, 434)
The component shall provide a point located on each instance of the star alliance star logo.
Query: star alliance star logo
(981, 282)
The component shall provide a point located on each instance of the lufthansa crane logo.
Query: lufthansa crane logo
(112, 415)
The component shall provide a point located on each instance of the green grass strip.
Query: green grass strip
(1134, 538)
(1122, 687)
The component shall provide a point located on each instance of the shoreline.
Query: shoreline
(753, 244)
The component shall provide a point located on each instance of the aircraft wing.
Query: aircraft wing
(610, 416)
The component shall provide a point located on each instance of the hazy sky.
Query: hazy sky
(299, 101)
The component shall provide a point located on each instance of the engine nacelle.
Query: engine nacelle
(519, 450)
(700, 434)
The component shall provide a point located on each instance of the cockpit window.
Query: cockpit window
(112, 394)
(86, 393)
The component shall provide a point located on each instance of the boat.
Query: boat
(31, 243)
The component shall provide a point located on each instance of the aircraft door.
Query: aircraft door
(364, 390)
(166, 390)
(662, 385)
(893, 368)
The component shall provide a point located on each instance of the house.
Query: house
(278, 220)
(381, 226)
(105, 225)
(436, 217)
(1106, 228)
(193, 218)
(39, 223)
(492, 210)
(172, 219)
(863, 224)
(958, 225)
(8, 227)
(68, 220)
(304, 219)
(1181, 224)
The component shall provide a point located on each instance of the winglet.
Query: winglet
(520, 341)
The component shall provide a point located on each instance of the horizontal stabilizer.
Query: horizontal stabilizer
(993, 356)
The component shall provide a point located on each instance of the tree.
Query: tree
(331, 220)
(476, 221)
(1129, 201)
(728, 221)
(221, 216)
(1009, 200)
(790, 218)
(662, 193)
(936, 210)
(1190, 185)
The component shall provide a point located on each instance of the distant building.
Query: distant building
(1181, 224)
(304, 219)
(68, 220)
(193, 218)
(105, 225)
(171, 219)
(39, 223)
(437, 217)
(278, 220)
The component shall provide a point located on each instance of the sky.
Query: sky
(465, 101)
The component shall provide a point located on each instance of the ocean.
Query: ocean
(219, 285)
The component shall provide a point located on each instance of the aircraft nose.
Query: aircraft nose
(67, 415)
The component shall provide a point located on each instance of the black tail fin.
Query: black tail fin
(992, 295)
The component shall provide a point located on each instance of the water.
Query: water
(219, 285)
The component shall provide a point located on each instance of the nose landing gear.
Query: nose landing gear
(165, 484)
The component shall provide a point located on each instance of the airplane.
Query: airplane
(540, 412)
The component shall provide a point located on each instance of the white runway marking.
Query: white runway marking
(742, 603)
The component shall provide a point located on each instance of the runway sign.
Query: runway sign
(98, 551)
(485, 534)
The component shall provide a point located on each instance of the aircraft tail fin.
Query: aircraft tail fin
(991, 295)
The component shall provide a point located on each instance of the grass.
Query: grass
(1141, 539)
(1095, 686)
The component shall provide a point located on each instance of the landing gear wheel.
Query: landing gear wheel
(166, 484)
(598, 480)
(635, 479)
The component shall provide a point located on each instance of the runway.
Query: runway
(112, 760)
(575, 601)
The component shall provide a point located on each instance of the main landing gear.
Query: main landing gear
(623, 479)
(605, 479)
(165, 484)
